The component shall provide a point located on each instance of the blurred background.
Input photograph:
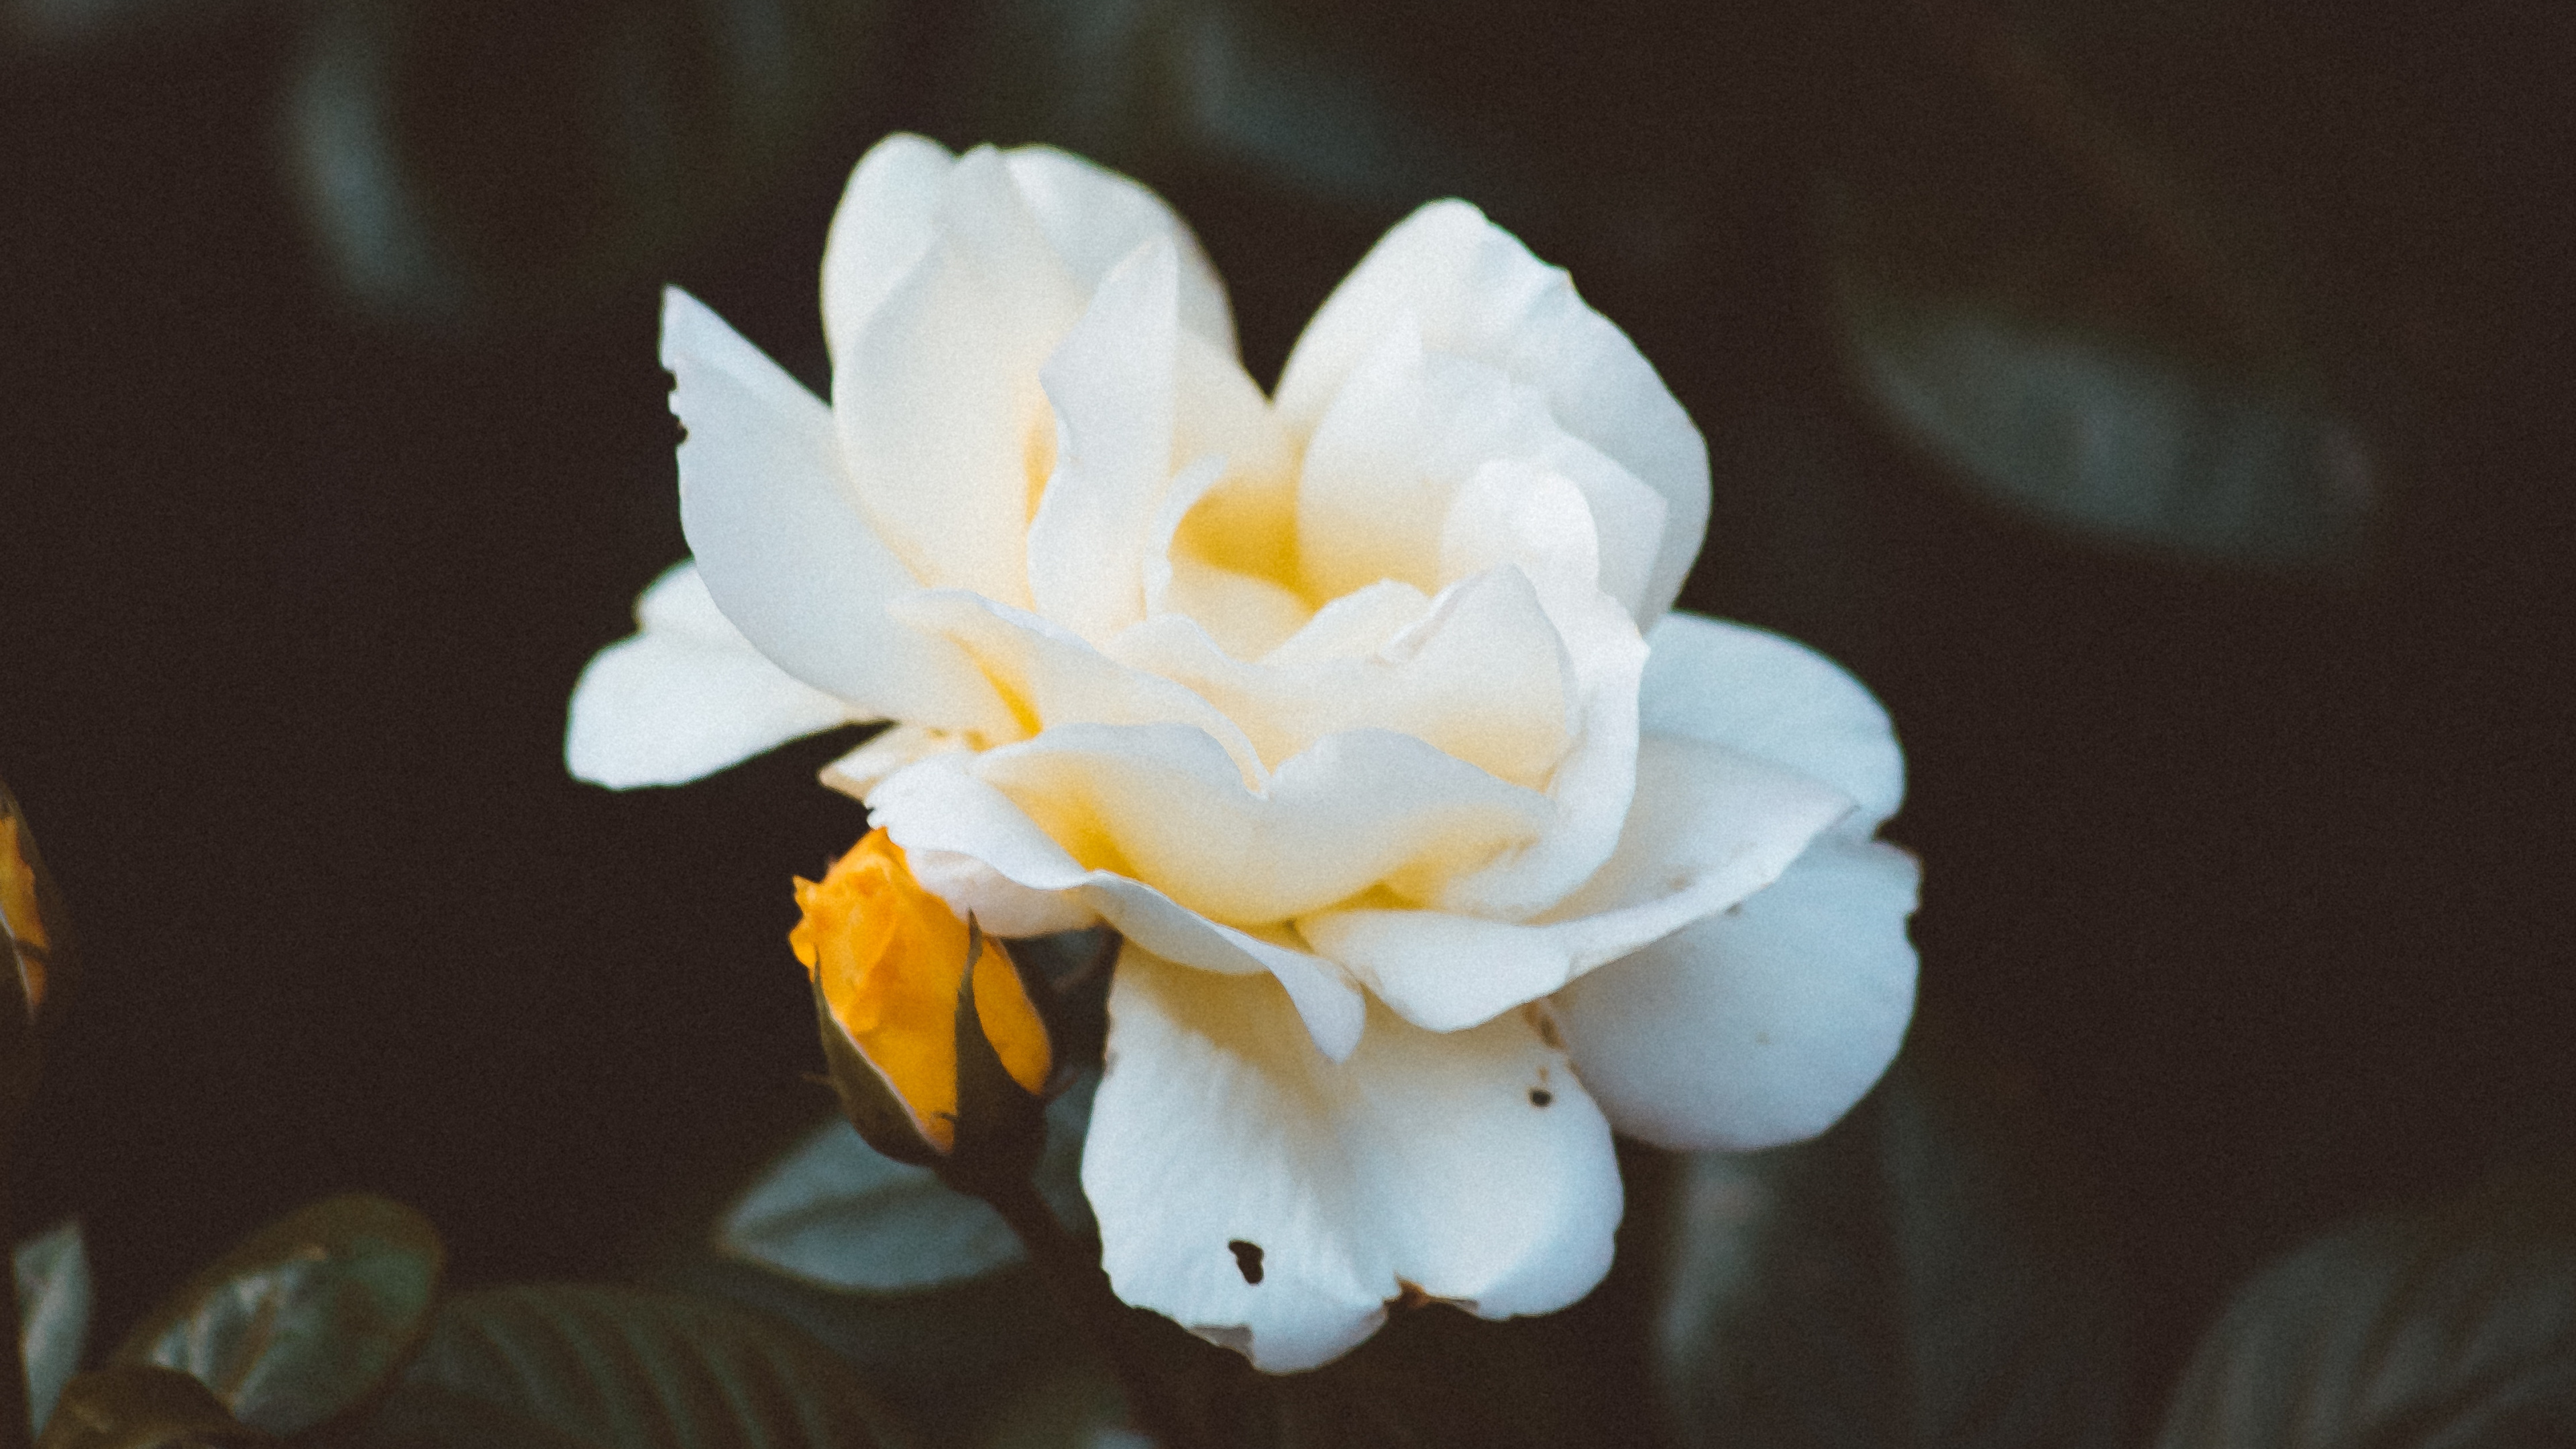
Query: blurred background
(2161, 406)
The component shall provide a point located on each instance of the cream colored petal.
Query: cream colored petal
(1514, 516)
(1246, 615)
(885, 222)
(1163, 804)
(990, 858)
(937, 395)
(684, 697)
(1761, 1025)
(889, 750)
(1094, 218)
(1475, 292)
(1480, 675)
(1768, 696)
(1710, 828)
(1275, 1202)
(1382, 463)
(1110, 382)
(1354, 626)
(764, 502)
(1050, 676)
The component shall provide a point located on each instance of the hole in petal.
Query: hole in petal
(1541, 1096)
(1247, 1257)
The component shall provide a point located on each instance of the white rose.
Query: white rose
(1439, 846)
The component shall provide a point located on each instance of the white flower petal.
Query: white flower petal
(1095, 218)
(1468, 1166)
(1165, 803)
(1050, 675)
(784, 555)
(889, 750)
(942, 814)
(1110, 382)
(1518, 516)
(1710, 828)
(937, 395)
(1479, 675)
(1475, 292)
(884, 224)
(1762, 1025)
(1767, 696)
(685, 697)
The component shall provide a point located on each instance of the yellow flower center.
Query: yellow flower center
(889, 957)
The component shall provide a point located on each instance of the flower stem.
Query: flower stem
(1164, 1409)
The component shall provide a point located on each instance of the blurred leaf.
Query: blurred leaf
(2032, 295)
(2452, 1326)
(467, 158)
(1924, 1274)
(1148, 85)
(143, 1406)
(54, 1296)
(838, 1214)
(568, 1365)
(306, 1318)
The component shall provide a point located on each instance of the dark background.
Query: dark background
(332, 444)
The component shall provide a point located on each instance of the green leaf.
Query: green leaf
(559, 1366)
(2448, 1326)
(143, 1406)
(836, 1213)
(1921, 1275)
(2033, 296)
(305, 1319)
(52, 1272)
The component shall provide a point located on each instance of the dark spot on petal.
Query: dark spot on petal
(1543, 1022)
(1541, 1096)
(1247, 1257)
(1762, 1038)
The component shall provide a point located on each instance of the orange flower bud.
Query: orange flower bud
(888, 960)
(23, 932)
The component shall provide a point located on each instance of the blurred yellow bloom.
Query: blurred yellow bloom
(889, 957)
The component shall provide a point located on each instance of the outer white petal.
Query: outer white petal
(1767, 696)
(763, 501)
(1094, 218)
(1476, 292)
(885, 222)
(1761, 1025)
(1710, 828)
(684, 697)
(988, 857)
(1110, 382)
(1468, 1166)
(1091, 219)
(937, 397)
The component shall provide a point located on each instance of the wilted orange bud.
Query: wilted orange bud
(889, 959)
